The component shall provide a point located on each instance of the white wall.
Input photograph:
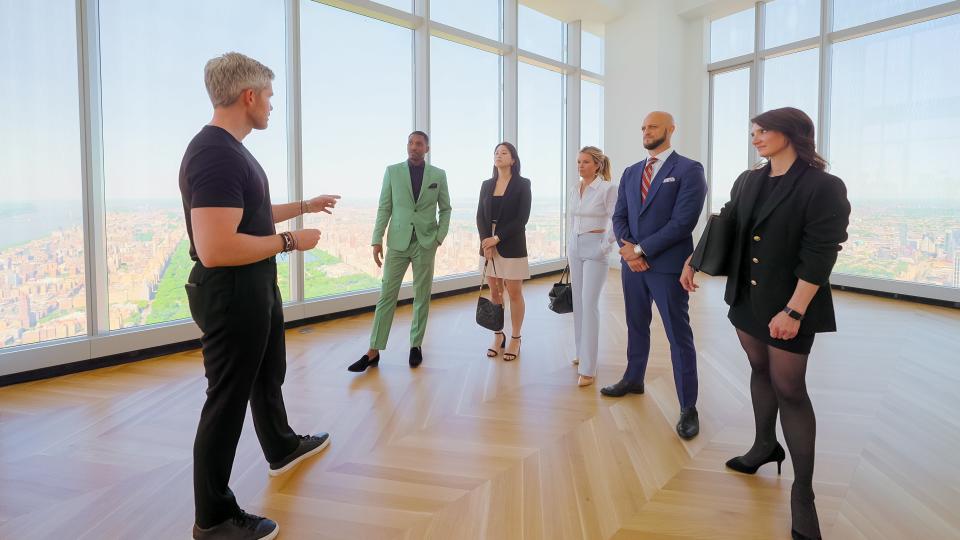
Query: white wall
(655, 60)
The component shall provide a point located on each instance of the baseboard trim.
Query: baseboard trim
(172, 348)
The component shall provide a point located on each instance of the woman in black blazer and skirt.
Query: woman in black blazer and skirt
(502, 215)
(791, 217)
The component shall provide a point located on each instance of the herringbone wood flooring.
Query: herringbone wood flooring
(470, 447)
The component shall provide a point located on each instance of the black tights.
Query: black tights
(777, 383)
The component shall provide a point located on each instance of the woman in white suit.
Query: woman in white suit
(591, 203)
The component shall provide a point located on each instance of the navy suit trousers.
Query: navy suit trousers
(640, 291)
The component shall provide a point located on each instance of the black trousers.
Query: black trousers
(239, 311)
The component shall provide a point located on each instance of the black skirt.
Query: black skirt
(743, 318)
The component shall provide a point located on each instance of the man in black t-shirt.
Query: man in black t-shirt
(234, 298)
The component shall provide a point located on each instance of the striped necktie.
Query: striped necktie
(647, 179)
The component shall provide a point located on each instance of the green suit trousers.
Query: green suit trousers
(395, 266)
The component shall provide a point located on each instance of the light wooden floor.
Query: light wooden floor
(469, 447)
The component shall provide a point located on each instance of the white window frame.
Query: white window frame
(825, 41)
(100, 341)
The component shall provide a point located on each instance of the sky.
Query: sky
(357, 95)
(894, 98)
(894, 94)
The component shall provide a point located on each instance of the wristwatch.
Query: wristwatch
(793, 314)
(638, 250)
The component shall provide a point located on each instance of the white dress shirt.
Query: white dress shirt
(661, 158)
(593, 210)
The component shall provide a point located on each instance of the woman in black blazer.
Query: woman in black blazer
(502, 215)
(791, 218)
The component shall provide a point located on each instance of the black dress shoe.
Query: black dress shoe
(738, 464)
(363, 363)
(689, 425)
(416, 356)
(622, 388)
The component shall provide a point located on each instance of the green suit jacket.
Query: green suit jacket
(406, 215)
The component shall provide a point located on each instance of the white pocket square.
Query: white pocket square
(668, 180)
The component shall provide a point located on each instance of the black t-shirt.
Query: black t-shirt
(218, 171)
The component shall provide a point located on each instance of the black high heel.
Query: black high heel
(510, 356)
(803, 513)
(490, 352)
(363, 363)
(777, 454)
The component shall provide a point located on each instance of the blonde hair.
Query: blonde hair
(602, 161)
(228, 75)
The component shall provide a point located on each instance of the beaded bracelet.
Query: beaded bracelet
(289, 243)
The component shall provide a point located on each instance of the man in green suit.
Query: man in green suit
(413, 196)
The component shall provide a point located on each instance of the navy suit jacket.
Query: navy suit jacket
(663, 224)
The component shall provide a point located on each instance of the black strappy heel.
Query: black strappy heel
(491, 352)
(510, 356)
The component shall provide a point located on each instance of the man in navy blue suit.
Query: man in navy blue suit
(658, 205)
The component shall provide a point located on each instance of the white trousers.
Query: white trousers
(587, 255)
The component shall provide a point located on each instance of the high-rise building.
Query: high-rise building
(927, 245)
(956, 269)
(904, 246)
(27, 319)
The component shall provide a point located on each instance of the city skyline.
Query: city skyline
(42, 296)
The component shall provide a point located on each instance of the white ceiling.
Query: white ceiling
(596, 13)
(593, 13)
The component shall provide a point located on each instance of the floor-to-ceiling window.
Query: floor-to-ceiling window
(884, 93)
(357, 112)
(153, 102)
(729, 123)
(591, 91)
(540, 144)
(465, 128)
(540, 129)
(43, 287)
(100, 105)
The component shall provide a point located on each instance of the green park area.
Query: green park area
(170, 301)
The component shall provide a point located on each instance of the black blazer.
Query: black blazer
(797, 235)
(514, 214)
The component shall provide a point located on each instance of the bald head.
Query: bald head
(657, 129)
(659, 117)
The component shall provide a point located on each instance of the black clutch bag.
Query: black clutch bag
(712, 255)
(489, 315)
(561, 295)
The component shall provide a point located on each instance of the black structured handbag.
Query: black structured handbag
(489, 315)
(712, 255)
(561, 295)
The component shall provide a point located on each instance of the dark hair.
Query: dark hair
(796, 126)
(515, 168)
(422, 134)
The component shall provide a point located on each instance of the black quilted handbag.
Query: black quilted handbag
(489, 315)
(561, 294)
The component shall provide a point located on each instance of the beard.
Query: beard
(655, 143)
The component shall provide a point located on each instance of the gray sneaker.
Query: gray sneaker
(243, 526)
(309, 445)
